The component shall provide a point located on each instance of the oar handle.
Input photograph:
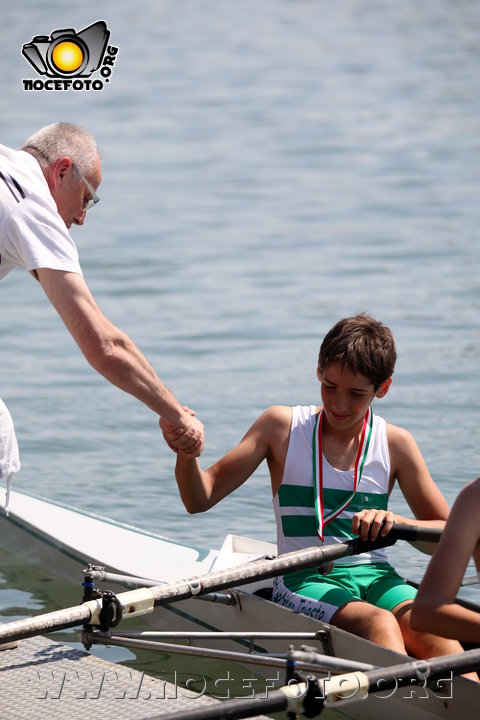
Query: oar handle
(412, 533)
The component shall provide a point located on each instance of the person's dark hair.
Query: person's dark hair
(361, 344)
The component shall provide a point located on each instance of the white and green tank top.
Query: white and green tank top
(294, 504)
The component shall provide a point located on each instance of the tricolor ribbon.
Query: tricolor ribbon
(318, 469)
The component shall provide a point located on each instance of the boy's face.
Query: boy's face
(346, 395)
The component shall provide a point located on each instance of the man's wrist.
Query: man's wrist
(175, 419)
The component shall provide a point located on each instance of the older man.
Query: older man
(45, 187)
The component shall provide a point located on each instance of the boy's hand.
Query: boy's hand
(369, 524)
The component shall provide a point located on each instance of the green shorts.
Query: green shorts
(320, 596)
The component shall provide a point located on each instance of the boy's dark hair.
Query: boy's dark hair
(361, 344)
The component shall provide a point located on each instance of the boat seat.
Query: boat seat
(265, 593)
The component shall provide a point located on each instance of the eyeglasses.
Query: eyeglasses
(94, 197)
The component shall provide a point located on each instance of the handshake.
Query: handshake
(186, 438)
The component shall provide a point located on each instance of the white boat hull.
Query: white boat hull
(65, 540)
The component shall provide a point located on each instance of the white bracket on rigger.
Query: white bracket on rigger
(134, 602)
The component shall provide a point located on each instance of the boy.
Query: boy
(332, 470)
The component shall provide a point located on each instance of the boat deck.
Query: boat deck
(43, 680)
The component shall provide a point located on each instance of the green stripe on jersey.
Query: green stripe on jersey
(302, 496)
(340, 528)
(306, 526)
(360, 501)
(299, 526)
(295, 496)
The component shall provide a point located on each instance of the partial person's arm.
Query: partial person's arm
(111, 353)
(423, 496)
(434, 609)
(265, 440)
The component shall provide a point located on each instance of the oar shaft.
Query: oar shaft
(287, 698)
(234, 709)
(184, 589)
(143, 600)
(263, 569)
(341, 689)
(42, 624)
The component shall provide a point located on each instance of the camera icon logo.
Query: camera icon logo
(66, 53)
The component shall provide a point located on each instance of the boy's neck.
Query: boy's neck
(339, 445)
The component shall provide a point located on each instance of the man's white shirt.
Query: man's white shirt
(32, 233)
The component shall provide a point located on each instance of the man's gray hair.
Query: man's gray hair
(63, 139)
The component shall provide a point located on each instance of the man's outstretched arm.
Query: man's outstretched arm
(112, 354)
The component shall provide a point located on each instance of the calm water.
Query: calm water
(268, 168)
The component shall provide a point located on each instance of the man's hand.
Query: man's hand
(186, 438)
(369, 524)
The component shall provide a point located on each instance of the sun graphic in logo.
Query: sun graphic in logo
(67, 56)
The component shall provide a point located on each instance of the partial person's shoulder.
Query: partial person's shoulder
(299, 414)
(471, 492)
(25, 185)
(25, 166)
(7, 152)
(277, 414)
(399, 437)
(275, 418)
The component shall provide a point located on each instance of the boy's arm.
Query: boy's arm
(267, 439)
(421, 493)
(434, 608)
(193, 483)
(419, 490)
